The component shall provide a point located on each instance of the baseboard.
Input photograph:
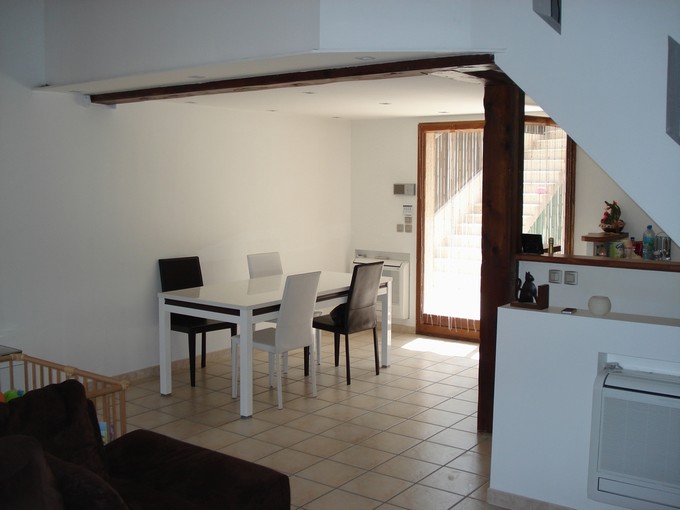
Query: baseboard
(515, 502)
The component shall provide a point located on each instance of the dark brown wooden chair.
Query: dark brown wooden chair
(185, 273)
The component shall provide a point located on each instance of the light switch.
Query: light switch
(400, 227)
(555, 276)
(570, 277)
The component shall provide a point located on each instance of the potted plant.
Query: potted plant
(611, 218)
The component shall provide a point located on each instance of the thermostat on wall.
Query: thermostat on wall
(404, 189)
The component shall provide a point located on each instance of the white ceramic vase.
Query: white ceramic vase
(599, 305)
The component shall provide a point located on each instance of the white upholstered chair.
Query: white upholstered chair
(293, 331)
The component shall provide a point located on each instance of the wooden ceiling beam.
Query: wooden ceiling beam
(480, 68)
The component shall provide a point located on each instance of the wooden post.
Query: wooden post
(501, 225)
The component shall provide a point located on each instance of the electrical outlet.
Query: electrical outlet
(555, 276)
(408, 228)
(571, 278)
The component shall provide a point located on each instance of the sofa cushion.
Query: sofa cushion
(26, 481)
(81, 489)
(186, 473)
(62, 418)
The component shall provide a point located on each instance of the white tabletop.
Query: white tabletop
(256, 292)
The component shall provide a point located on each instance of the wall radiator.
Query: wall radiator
(635, 440)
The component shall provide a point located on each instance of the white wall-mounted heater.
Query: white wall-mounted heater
(635, 441)
(396, 266)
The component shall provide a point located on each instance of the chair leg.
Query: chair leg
(273, 367)
(336, 340)
(349, 381)
(279, 390)
(306, 360)
(203, 350)
(375, 351)
(192, 358)
(317, 333)
(313, 368)
(234, 369)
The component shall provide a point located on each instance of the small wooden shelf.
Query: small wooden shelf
(604, 237)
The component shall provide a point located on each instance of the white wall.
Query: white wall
(91, 197)
(546, 364)
(95, 40)
(603, 79)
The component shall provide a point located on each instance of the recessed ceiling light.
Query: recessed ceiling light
(443, 111)
(197, 77)
(309, 92)
(385, 104)
(272, 111)
(365, 58)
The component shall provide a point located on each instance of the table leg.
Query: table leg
(164, 348)
(246, 362)
(386, 318)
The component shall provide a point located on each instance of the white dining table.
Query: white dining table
(247, 302)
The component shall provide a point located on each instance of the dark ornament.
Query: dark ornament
(526, 293)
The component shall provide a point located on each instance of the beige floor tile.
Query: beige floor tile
(350, 433)
(289, 461)
(247, 426)
(456, 438)
(314, 423)
(341, 412)
(151, 419)
(322, 446)
(283, 436)
(439, 417)
(376, 486)
(456, 405)
(422, 399)
(453, 480)
(474, 504)
(214, 417)
(250, 449)
(416, 429)
(367, 402)
(433, 452)
(331, 473)
(214, 438)
(279, 416)
(181, 429)
(376, 420)
(390, 442)
(341, 500)
(362, 457)
(420, 497)
(472, 462)
(402, 409)
(405, 468)
(303, 491)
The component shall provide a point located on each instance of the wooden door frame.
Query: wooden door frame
(503, 148)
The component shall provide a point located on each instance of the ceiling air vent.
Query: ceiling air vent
(551, 12)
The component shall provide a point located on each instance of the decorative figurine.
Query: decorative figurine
(526, 293)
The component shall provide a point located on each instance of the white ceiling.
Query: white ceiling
(420, 96)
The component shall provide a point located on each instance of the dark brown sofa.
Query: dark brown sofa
(52, 457)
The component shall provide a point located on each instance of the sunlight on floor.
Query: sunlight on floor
(444, 347)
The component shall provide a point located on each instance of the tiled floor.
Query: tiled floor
(404, 439)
